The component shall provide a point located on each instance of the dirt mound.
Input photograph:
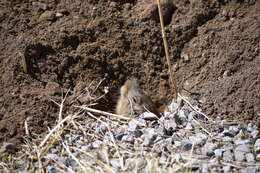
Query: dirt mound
(214, 47)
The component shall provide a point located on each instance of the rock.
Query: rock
(188, 126)
(51, 169)
(191, 116)
(257, 146)
(149, 136)
(205, 168)
(182, 115)
(234, 129)
(185, 57)
(121, 132)
(102, 156)
(128, 138)
(227, 139)
(249, 169)
(254, 133)
(218, 153)
(250, 158)
(228, 155)
(71, 163)
(59, 15)
(181, 133)
(115, 163)
(199, 139)
(41, 6)
(175, 105)
(47, 16)
(159, 130)
(51, 156)
(96, 144)
(227, 169)
(8, 147)
(250, 127)
(54, 151)
(208, 149)
(186, 146)
(163, 159)
(63, 12)
(230, 133)
(149, 116)
(170, 124)
(89, 161)
(241, 141)
(240, 152)
(132, 126)
(102, 129)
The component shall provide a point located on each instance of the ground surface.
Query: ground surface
(214, 48)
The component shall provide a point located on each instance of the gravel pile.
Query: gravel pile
(184, 139)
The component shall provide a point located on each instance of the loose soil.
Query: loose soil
(48, 48)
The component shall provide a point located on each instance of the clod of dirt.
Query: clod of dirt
(52, 88)
(47, 16)
(150, 10)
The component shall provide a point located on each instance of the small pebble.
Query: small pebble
(128, 138)
(208, 149)
(51, 169)
(257, 146)
(228, 155)
(227, 169)
(58, 15)
(250, 157)
(240, 152)
(186, 146)
(8, 147)
(189, 126)
(218, 153)
(249, 169)
(96, 144)
(149, 116)
(254, 133)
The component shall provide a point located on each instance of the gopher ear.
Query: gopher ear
(137, 100)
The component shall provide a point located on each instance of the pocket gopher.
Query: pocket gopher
(133, 100)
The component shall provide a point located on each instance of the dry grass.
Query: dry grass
(37, 152)
(166, 49)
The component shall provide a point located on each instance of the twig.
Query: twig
(193, 106)
(166, 49)
(77, 161)
(54, 129)
(104, 113)
(26, 128)
(39, 160)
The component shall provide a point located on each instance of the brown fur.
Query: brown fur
(133, 99)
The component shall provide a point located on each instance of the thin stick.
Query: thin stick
(193, 107)
(73, 157)
(62, 104)
(26, 128)
(104, 113)
(54, 129)
(166, 49)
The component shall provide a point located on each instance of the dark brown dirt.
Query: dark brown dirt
(214, 48)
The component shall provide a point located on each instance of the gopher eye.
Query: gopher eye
(137, 100)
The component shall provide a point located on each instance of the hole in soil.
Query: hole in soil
(34, 53)
(72, 41)
(3, 130)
